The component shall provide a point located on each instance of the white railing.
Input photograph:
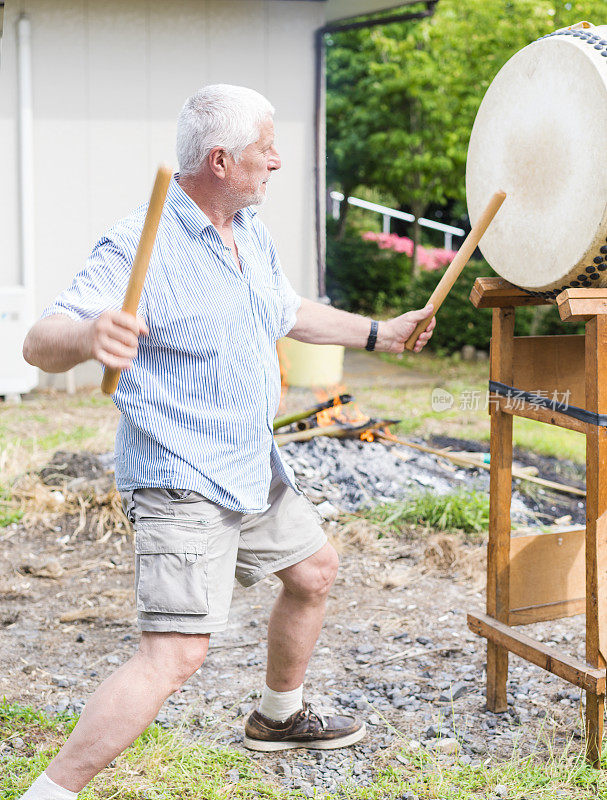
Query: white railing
(392, 213)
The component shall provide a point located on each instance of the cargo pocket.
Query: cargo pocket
(172, 566)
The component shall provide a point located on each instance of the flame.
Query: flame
(349, 414)
(367, 436)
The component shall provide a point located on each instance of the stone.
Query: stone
(283, 768)
(327, 510)
(113, 659)
(454, 692)
(234, 775)
(501, 790)
(61, 705)
(62, 682)
(446, 746)
(468, 352)
(413, 745)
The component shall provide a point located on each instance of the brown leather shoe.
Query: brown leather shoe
(309, 727)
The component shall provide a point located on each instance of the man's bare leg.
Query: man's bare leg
(297, 617)
(125, 704)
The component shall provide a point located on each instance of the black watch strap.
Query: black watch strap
(372, 335)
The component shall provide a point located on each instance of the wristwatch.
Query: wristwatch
(372, 336)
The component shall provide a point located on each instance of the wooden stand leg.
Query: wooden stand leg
(498, 549)
(596, 528)
(595, 712)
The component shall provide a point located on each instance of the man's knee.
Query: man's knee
(313, 577)
(174, 656)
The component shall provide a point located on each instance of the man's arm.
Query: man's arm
(321, 324)
(57, 343)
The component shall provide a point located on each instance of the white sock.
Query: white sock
(43, 788)
(280, 705)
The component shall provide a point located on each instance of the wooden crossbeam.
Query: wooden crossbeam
(519, 408)
(579, 305)
(498, 293)
(573, 670)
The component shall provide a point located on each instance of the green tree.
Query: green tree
(401, 98)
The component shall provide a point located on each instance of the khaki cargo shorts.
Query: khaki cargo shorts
(188, 551)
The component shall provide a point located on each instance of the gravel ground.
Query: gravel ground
(395, 650)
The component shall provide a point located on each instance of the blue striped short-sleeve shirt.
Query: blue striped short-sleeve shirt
(199, 401)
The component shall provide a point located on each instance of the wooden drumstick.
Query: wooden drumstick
(139, 269)
(462, 257)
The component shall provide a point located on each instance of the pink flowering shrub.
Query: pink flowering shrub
(429, 258)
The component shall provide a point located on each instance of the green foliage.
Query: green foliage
(402, 98)
(461, 510)
(458, 322)
(8, 514)
(361, 277)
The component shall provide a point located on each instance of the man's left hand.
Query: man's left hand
(393, 333)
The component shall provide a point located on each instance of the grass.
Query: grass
(168, 765)
(461, 510)
(468, 418)
(160, 764)
(32, 431)
(529, 777)
(8, 512)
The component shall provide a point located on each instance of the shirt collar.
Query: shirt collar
(192, 216)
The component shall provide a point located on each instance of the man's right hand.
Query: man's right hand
(113, 338)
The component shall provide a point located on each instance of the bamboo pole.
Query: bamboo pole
(142, 259)
(467, 461)
(296, 416)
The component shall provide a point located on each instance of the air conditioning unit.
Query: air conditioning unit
(16, 375)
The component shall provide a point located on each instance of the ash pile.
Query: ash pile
(347, 463)
(347, 475)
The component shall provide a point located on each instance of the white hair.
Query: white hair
(219, 115)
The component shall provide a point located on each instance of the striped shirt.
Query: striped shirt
(198, 404)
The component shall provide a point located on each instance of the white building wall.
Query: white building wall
(109, 80)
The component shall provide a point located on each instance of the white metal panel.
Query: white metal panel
(342, 9)
(109, 80)
(118, 108)
(60, 142)
(9, 250)
(16, 375)
(289, 210)
(237, 42)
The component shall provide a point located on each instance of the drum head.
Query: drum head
(541, 136)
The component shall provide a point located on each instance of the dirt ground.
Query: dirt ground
(395, 647)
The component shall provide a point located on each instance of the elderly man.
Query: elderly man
(199, 473)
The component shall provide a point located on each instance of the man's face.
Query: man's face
(248, 178)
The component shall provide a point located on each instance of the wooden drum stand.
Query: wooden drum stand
(546, 576)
